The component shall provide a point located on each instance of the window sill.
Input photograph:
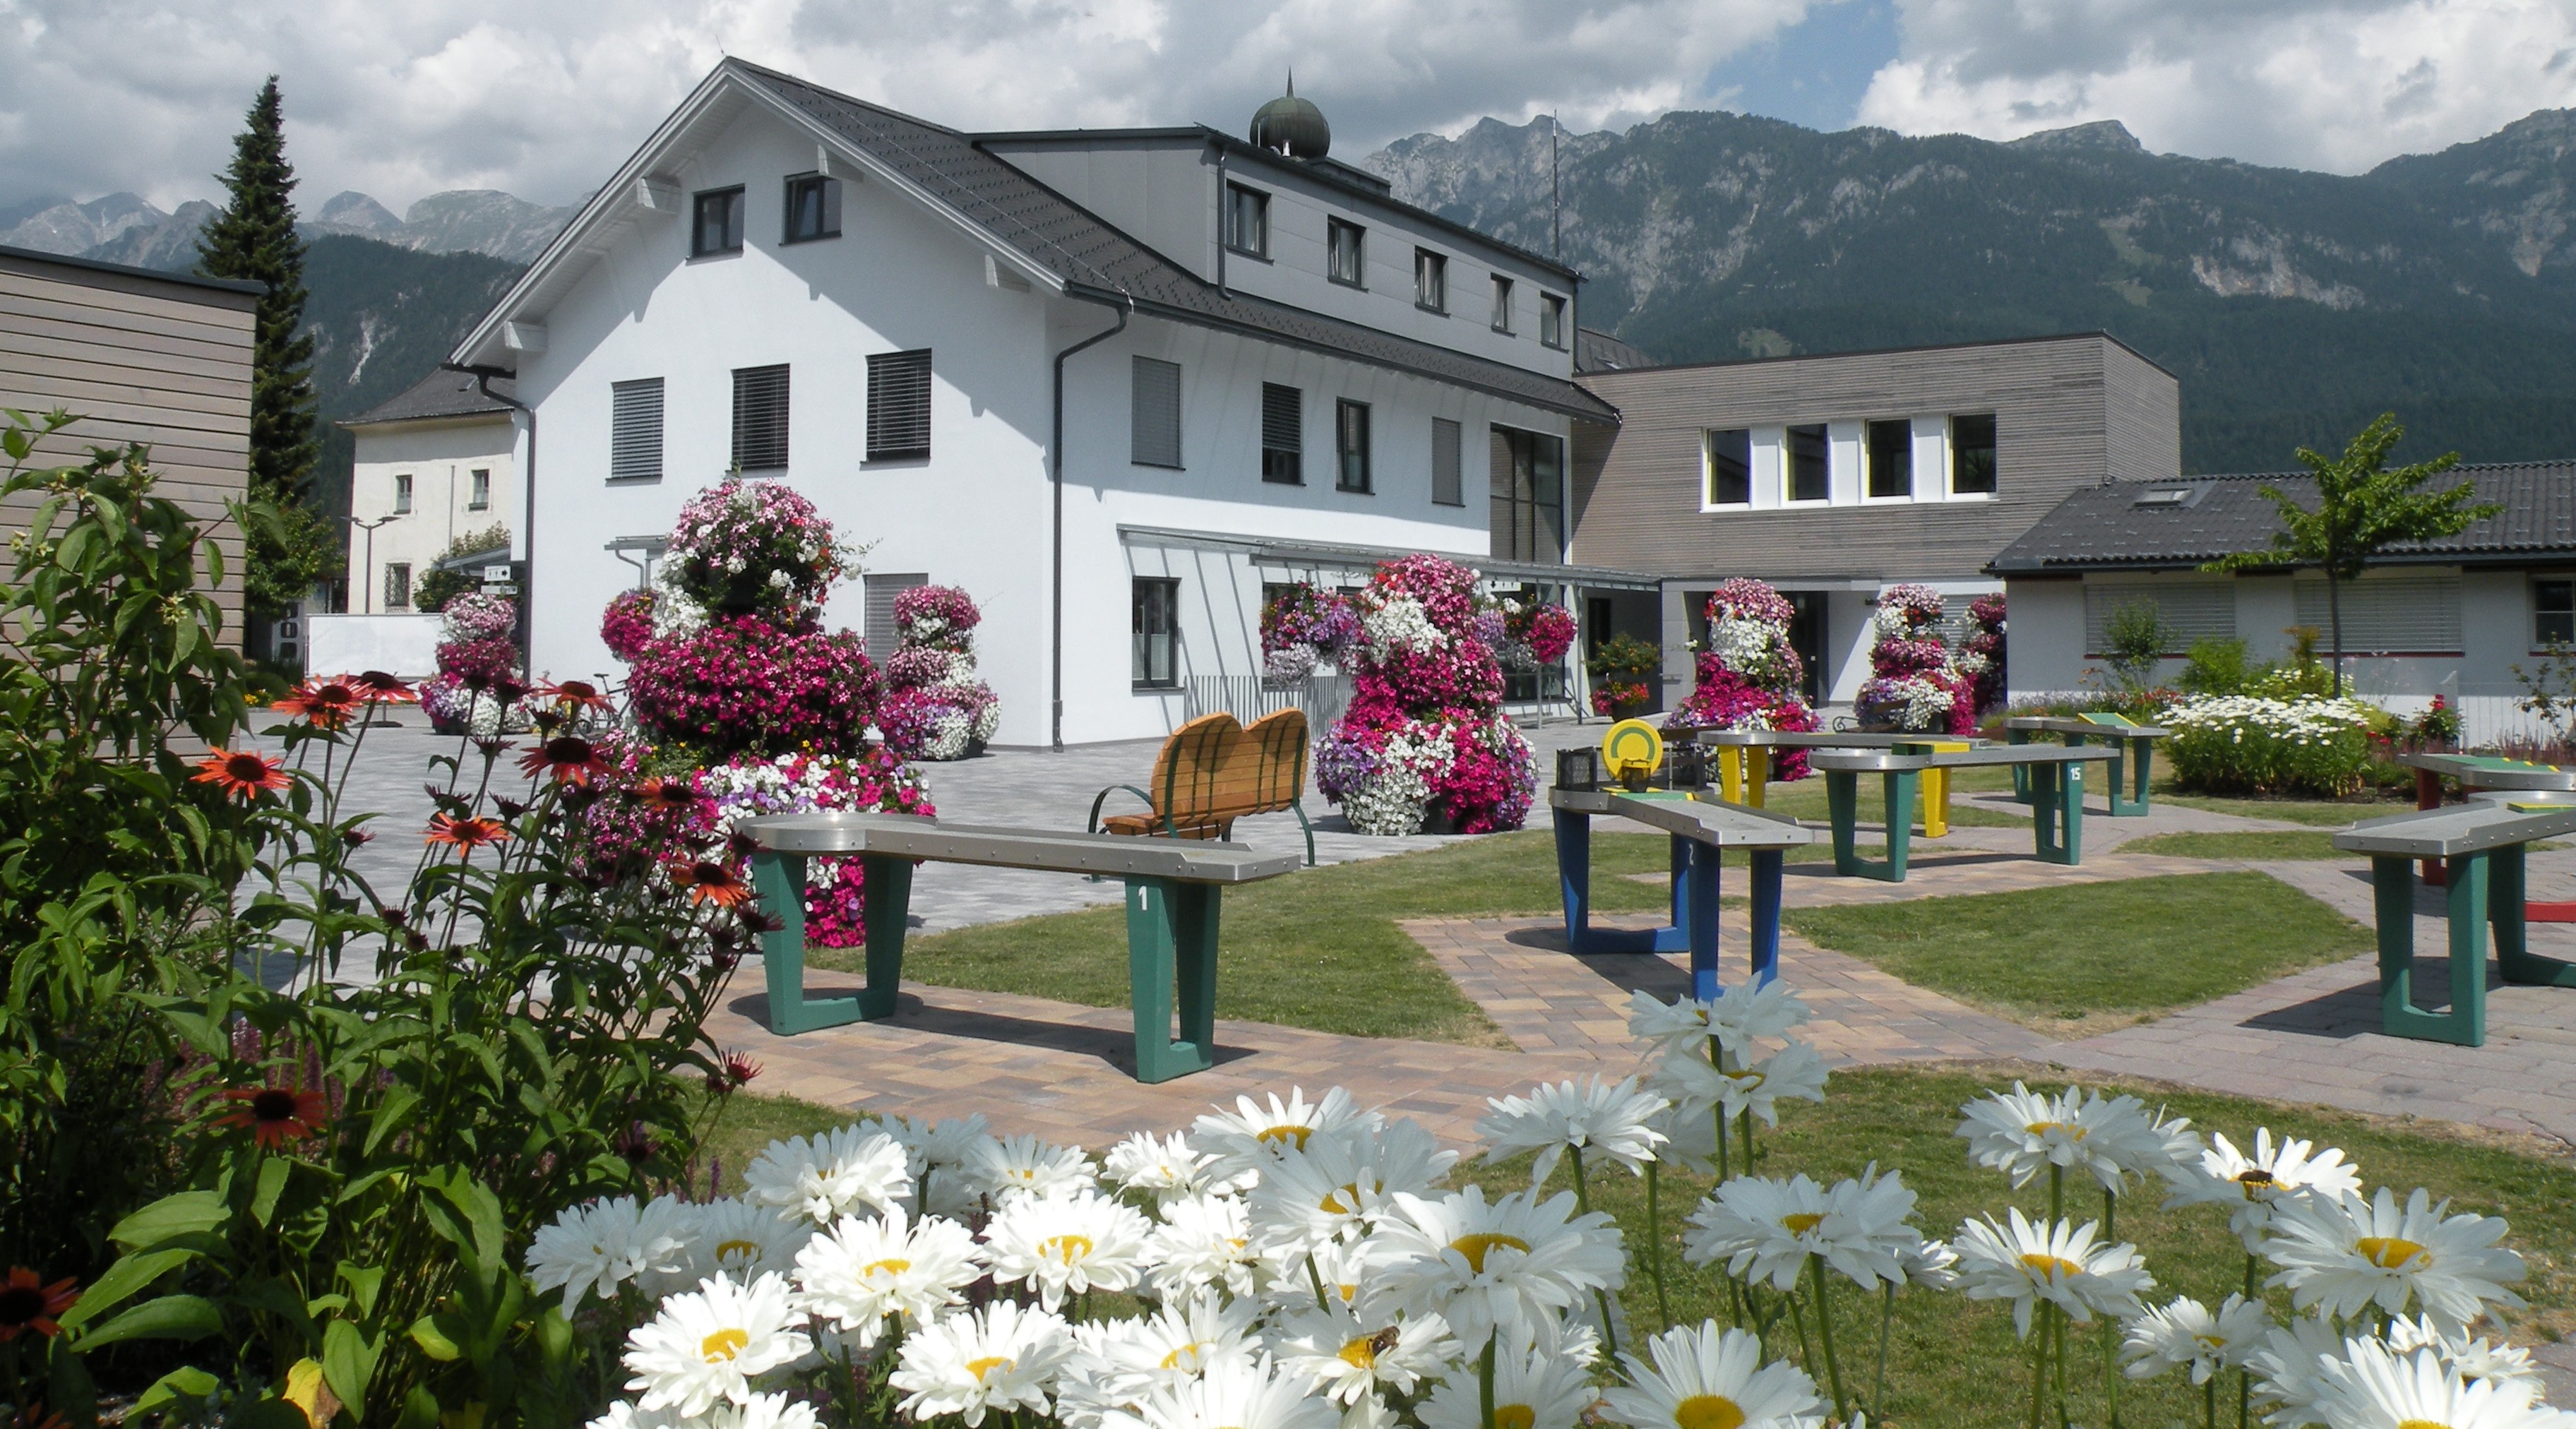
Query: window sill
(1423, 307)
(1157, 465)
(1235, 252)
(718, 253)
(808, 238)
(1711, 508)
(897, 458)
(1972, 496)
(1171, 689)
(1355, 490)
(654, 480)
(1354, 284)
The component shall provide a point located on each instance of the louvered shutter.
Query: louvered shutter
(760, 418)
(880, 590)
(2192, 610)
(635, 430)
(1448, 487)
(899, 405)
(1157, 413)
(2387, 615)
(1283, 442)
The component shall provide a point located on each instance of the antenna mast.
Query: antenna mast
(1555, 218)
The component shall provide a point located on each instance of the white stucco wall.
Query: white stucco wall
(440, 457)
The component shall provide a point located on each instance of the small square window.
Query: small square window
(1891, 459)
(402, 494)
(1502, 303)
(1972, 455)
(715, 225)
(2553, 612)
(1551, 320)
(1351, 445)
(1346, 251)
(1430, 280)
(813, 209)
(1283, 437)
(478, 494)
(1154, 654)
(1247, 220)
(1730, 468)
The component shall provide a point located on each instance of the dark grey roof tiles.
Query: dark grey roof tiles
(440, 394)
(1600, 352)
(2111, 528)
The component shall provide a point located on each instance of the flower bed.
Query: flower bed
(934, 707)
(1424, 742)
(2251, 744)
(1749, 674)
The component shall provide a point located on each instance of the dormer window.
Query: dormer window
(1247, 221)
(715, 223)
(1430, 281)
(1346, 252)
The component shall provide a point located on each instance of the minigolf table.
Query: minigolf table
(2481, 843)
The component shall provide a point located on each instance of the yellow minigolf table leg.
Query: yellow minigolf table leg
(1743, 772)
(1936, 789)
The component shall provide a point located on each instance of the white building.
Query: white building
(436, 464)
(1111, 383)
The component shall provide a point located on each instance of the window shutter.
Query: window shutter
(760, 418)
(1282, 418)
(2386, 615)
(899, 404)
(635, 430)
(880, 591)
(2192, 610)
(1448, 487)
(1157, 415)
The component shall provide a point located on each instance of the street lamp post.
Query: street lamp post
(367, 600)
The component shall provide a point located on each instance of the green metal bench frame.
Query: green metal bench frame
(2132, 746)
(2057, 804)
(2484, 894)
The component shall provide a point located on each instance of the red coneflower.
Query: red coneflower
(383, 688)
(667, 794)
(28, 1303)
(732, 1074)
(275, 1115)
(326, 703)
(575, 695)
(564, 758)
(242, 773)
(712, 882)
(466, 833)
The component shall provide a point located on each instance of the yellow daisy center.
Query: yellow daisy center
(1515, 1416)
(1288, 1133)
(2046, 1266)
(1801, 1223)
(2387, 1251)
(1065, 1248)
(2043, 1128)
(1361, 1353)
(1750, 1079)
(1476, 1246)
(723, 1345)
(2421, 1424)
(985, 1366)
(1344, 1201)
(1349, 1291)
(1708, 1411)
(1186, 1357)
(890, 1267)
(727, 1250)
(2211, 1343)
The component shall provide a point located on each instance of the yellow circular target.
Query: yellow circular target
(1632, 745)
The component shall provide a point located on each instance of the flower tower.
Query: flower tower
(1424, 744)
(1980, 657)
(478, 688)
(743, 703)
(1748, 676)
(1912, 687)
(934, 707)
(1303, 627)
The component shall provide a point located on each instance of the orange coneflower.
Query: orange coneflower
(667, 794)
(711, 882)
(377, 685)
(466, 833)
(564, 758)
(275, 1115)
(327, 703)
(242, 773)
(574, 695)
(28, 1303)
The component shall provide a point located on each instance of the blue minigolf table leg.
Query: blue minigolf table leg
(1766, 914)
(1574, 882)
(1699, 912)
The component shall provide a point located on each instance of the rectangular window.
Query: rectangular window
(478, 491)
(2387, 615)
(1430, 280)
(877, 592)
(397, 586)
(1528, 485)
(1972, 455)
(1891, 458)
(1502, 303)
(715, 224)
(1448, 482)
(2190, 610)
(1156, 420)
(1807, 473)
(1730, 468)
(1346, 252)
(1551, 319)
(635, 430)
(899, 404)
(760, 418)
(1156, 650)
(1283, 434)
(1351, 445)
(813, 208)
(2553, 612)
(402, 494)
(1247, 220)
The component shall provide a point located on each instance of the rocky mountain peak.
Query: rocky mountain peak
(2100, 135)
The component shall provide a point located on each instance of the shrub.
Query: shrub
(934, 707)
(2217, 667)
(2250, 744)
(436, 587)
(1424, 741)
(2133, 640)
(627, 624)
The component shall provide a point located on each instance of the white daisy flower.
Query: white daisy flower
(1613, 1120)
(1070, 1242)
(1482, 1265)
(1351, 1358)
(2022, 1133)
(598, 1247)
(2507, 1366)
(2250, 1185)
(2286, 1370)
(1764, 1229)
(706, 1345)
(1678, 1028)
(2374, 1387)
(1317, 1195)
(1204, 1242)
(831, 1175)
(623, 1415)
(1163, 1167)
(1747, 1012)
(1123, 1361)
(2125, 1141)
(736, 1238)
(943, 1157)
(2185, 1333)
(1703, 1376)
(2055, 1261)
(1238, 1393)
(2343, 1253)
(1932, 1264)
(1018, 1166)
(764, 1411)
(863, 1270)
(1003, 1357)
(1533, 1389)
(1689, 1130)
(1350, 1273)
(1252, 1137)
(1795, 1071)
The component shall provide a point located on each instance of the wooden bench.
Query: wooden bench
(2481, 843)
(1173, 893)
(2132, 744)
(2057, 800)
(1744, 762)
(1701, 829)
(1213, 771)
(2475, 773)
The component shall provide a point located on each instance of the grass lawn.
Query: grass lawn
(1805, 799)
(2072, 959)
(2249, 843)
(1318, 948)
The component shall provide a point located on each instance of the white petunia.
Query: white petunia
(1203, 1243)
(863, 1270)
(593, 1249)
(1351, 1357)
(1482, 1265)
(1002, 1357)
(1068, 1243)
(2054, 1261)
(2185, 1333)
(2343, 1253)
(831, 1175)
(1252, 1137)
(1612, 1119)
(2251, 1185)
(1018, 1166)
(1764, 1229)
(706, 1345)
(1702, 1375)
(1534, 1388)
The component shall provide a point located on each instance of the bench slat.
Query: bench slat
(2049, 724)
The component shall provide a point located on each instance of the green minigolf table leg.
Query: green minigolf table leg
(1842, 799)
(2392, 884)
(779, 879)
(2020, 772)
(2514, 957)
(1171, 970)
(2057, 812)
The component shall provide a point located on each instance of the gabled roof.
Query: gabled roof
(1600, 352)
(442, 395)
(1056, 243)
(2181, 523)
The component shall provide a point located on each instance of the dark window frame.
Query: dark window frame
(1960, 474)
(1431, 281)
(1502, 304)
(2544, 618)
(1717, 478)
(761, 441)
(1138, 433)
(731, 226)
(1793, 446)
(1349, 417)
(827, 208)
(1526, 506)
(1870, 459)
(1164, 602)
(1283, 443)
(1551, 319)
(1334, 229)
(1449, 469)
(1232, 221)
(885, 369)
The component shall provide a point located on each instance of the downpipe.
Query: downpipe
(1124, 306)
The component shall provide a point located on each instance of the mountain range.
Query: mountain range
(122, 228)
(2292, 306)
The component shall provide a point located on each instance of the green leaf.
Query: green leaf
(420, 1409)
(391, 1115)
(187, 1213)
(348, 1362)
(273, 1174)
(186, 1387)
(435, 1341)
(172, 1317)
(130, 1275)
(364, 1281)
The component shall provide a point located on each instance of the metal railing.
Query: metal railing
(1249, 697)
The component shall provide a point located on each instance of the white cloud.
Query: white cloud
(399, 98)
(2338, 85)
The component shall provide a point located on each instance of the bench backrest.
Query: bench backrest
(1188, 766)
(1267, 771)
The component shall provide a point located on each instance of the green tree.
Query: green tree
(2362, 508)
(254, 238)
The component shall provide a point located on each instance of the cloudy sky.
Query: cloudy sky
(544, 97)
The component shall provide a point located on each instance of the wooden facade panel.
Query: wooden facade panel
(104, 402)
(46, 320)
(97, 346)
(131, 378)
(111, 304)
(2142, 416)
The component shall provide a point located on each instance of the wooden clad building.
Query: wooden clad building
(1834, 476)
(139, 356)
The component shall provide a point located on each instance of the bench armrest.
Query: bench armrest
(1093, 826)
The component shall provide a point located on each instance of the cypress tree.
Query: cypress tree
(287, 546)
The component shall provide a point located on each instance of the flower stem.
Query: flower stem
(1806, 1350)
(2244, 1395)
(1886, 1324)
(2056, 1192)
(1485, 1381)
(1825, 1332)
(1315, 1278)
(2209, 1404)
(2110, 1341)
(1583, 1205)
(2038, 1363)
(2061, 1320)
(1655, 1248)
